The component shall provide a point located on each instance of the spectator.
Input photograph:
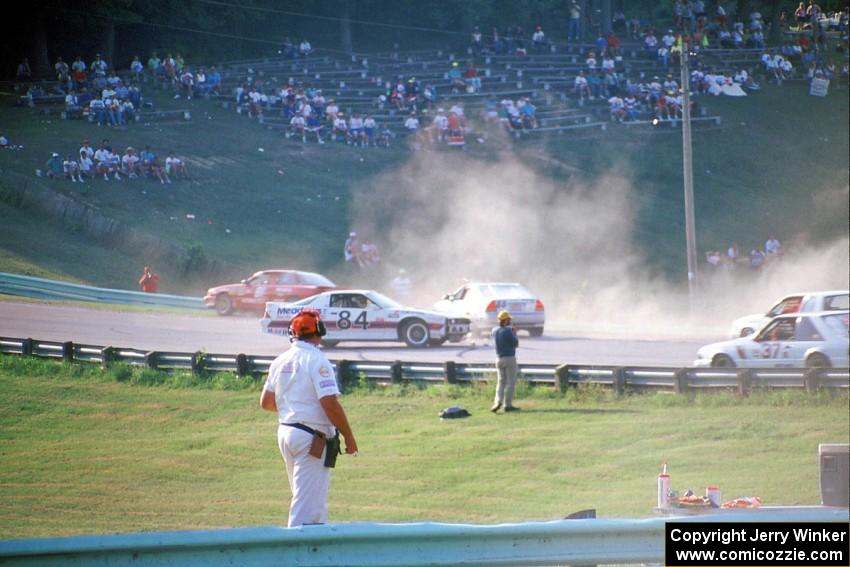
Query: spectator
(732, 255)
(594, 83)
(78, 73)
(305, 49)
(149, 281)
(71, 169)
(53, 166)
(86, 166)
(630, 105)
(340, 129)
(351, 248)
(472, 80)
(538, 40)
(574, 23)
(297, 127)
(712, 258)
(130, 163)
(201, 86)
(369, 254)
(369, 130)
(591, 60)
(650, 43)
(456, 78)
(72, 106)
(411, 124)
(24, 72)
(128, 111)
(99, 67)
(670, 84)
(97, 111)
(580, 86)
(477, 43)
(155, 69)
(150, 166)
(63, 72)
(187, 81)
(87, 149)
(756, 259)
(214, 81)
(137, 68)
(355, 129)
(613, 44)
(773, 247)
(314, 125)
(174, 166)
(616, 108)
(528, 113)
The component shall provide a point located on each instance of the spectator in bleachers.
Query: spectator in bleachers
(528, 113)
(355, 129)
(24, 72)
(340, 129)
(97, 111)
(613, 44)
(78, 73)
(757, 39)
(53, 167)
(594, 84)
(297, 127)
(130, 163)
(99, 67)
(137, 68)
(772, 246)
(724, 38)
(331, 110)
(287, 48)
(664, 56)
(538, 40)
(151, 166)
(574, 22)
(601, 43)
(187, 83)
(650, 43)
(456, 78)
(214, 81)
(670, 84)
(305, 49)
(630, 105)
(63, 72)
(580, 86)
(756, 259)
(154, 67)
(477, 41)
(591, 60)
(72, 105)
(411, 124)
(370, 130)
(610, 83)
(314, 126)
(616, 108)
(86, 166)
(71, 169)
(438, 131)
(169, 69)
(176, 167)
(470, 75)
(720, 14)
(102, 163)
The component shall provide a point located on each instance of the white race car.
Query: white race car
(805, 302)
(364, 315)
(482, 301)
(799, 340)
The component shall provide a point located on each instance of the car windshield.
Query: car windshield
(505, 291)
(308, 278)
(383, 301)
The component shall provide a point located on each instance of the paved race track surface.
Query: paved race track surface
(231, 335)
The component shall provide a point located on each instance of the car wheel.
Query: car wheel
(223, 304)
(536, 331)
(722, 361)
(415, 333)
(746, 331)
(818, 360)
(329, 344)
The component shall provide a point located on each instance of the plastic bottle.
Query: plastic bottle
(663, 489)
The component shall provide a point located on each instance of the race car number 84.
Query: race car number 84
(344, 322)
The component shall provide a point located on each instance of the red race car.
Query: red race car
(269, 285)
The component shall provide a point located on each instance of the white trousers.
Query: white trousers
(506, 367)
(309, 479)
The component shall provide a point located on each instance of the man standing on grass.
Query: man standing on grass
(149, 281)
(302, 390)
(506, 342)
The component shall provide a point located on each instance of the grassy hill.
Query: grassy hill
(778, 164)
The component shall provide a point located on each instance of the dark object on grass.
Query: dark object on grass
(588, 514)
(454, 412)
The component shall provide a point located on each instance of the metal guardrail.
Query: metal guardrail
(560, 542)
(562, 377)
(40, 288)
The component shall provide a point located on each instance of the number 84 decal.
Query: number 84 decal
(344, 322)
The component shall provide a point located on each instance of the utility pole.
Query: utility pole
(688, 175)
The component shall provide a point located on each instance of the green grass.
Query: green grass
(85, 451)
(779, 163)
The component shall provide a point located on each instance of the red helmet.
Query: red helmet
(306, 324)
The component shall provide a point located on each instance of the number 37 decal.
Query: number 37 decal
(344, 322)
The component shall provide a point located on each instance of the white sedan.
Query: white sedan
(799, 340)
(365, 315)
(803, 302)
(482, 301)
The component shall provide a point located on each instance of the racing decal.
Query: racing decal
(324, 371)
(393, 315)
(287, 311)
(345, 322)
(327, 384)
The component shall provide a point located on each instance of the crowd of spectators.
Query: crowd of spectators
(362, 253)
(757, 259)
(90, 164)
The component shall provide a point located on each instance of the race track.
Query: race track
(187, 333)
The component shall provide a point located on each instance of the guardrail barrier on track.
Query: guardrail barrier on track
(560, 542)
(40, 288)
(563, 376)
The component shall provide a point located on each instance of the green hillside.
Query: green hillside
(778, 163)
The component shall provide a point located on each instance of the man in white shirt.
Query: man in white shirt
(130, 163)
(301, 388)
(296, 127)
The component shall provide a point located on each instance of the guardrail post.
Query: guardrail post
(343, 374)
(242, 367)
(395, 372)
(107, 356)
(26, 347)
(681, 384)
(152, 359)
(619, 380)
(562, 377)
(450, 371)
(197, 362)
(67, 351)
(811, 379)
(745, 380)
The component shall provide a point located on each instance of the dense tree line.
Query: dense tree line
(217, 30)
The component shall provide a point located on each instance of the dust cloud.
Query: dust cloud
(448, 218)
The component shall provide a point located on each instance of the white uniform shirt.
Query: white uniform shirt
(299, 378)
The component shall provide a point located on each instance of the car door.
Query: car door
(256, 290)
(284, 289)
(775, 345)
(348, 316)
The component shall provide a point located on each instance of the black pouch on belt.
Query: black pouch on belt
(318, 444)
(333, 451)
